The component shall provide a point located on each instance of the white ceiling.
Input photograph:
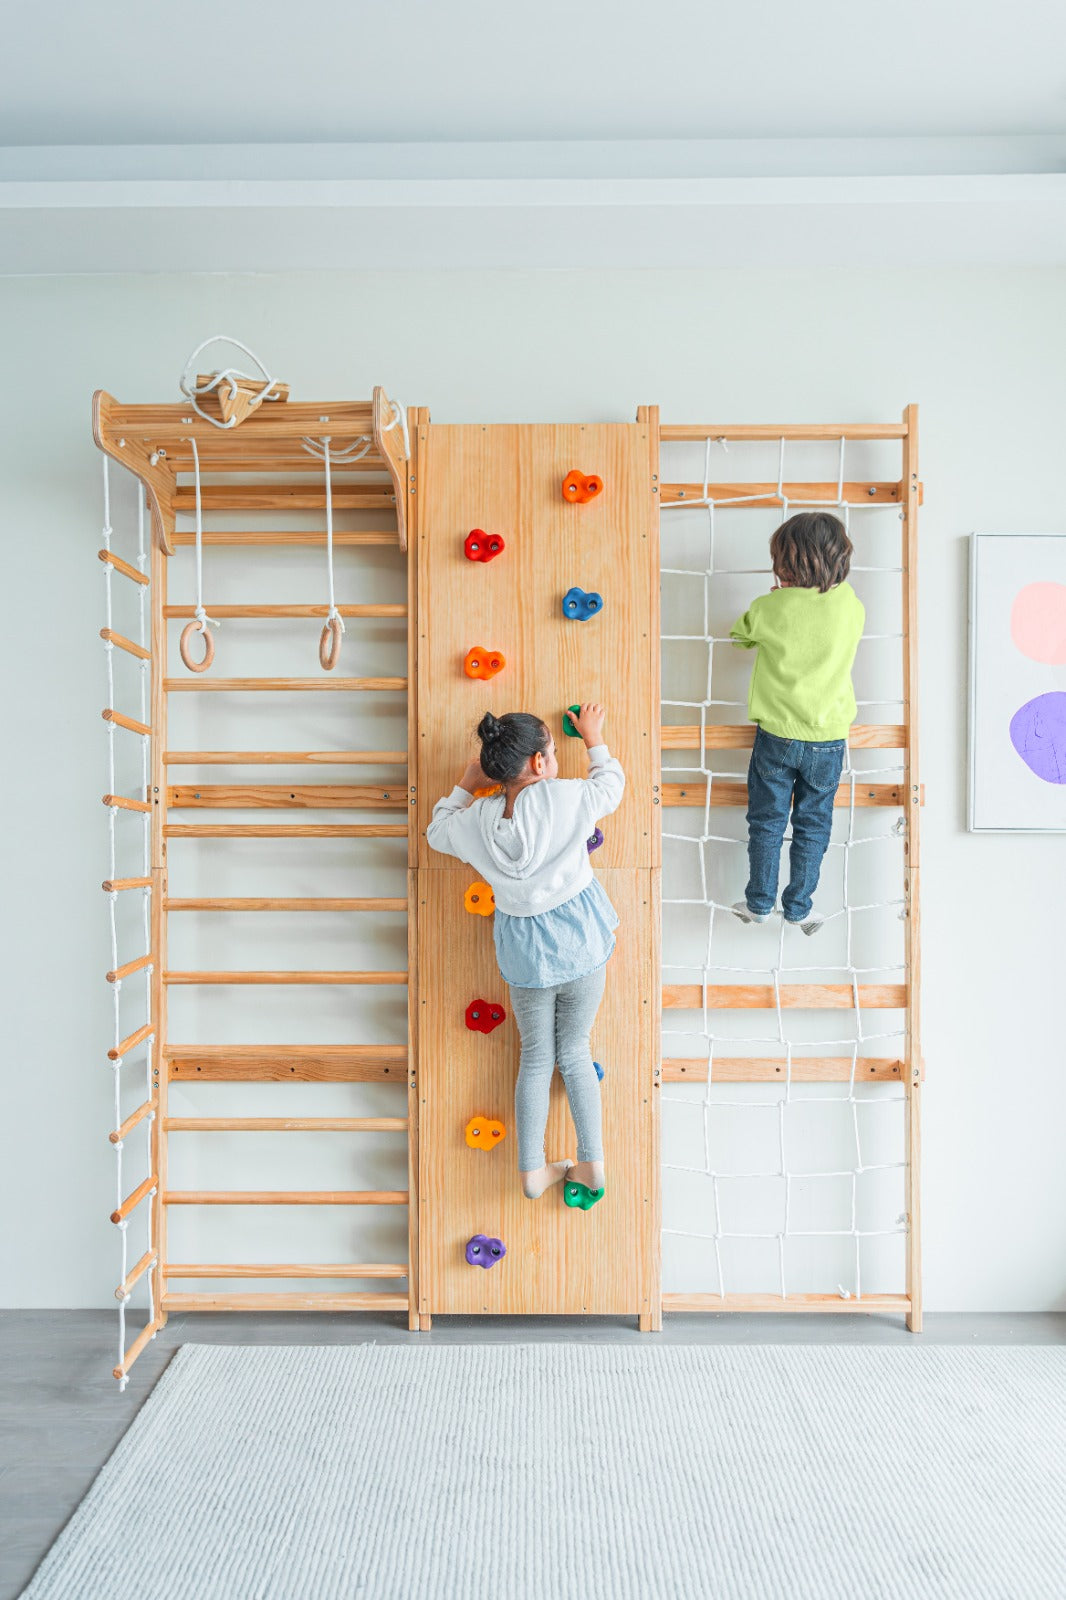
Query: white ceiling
(249, 71)
(234, 135)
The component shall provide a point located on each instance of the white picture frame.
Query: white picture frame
(1017, 695)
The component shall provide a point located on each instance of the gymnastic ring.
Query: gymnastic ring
(329, 644)
(209, 646)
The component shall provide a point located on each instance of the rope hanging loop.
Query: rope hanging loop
(227, 385)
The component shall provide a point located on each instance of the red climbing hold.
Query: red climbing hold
(482, 1016)
(481, 546)
(579, 489)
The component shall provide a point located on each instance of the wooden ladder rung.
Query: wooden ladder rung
(285, 977)
(297, 1063)
(281, 685)
(134, 1199)
(137, 965)
(130, 723)
(302, 537)
(283, 497)
(266, 830)
(284, 796)
(774, 1069)
(286, 905)
(279, 758)
(119, 802)
(880, 1304)
(109, 636)
(287, 1269)
(727, 792)
(113, 885)
(280, 1197)
(753, 496)
(741, 736)
(794, 996)
(124, 567)
(276, 612)
(285, 1124)
(131, 1041)
(318, 1301)
(132, 1120)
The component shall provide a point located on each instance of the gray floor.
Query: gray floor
(61, 1414)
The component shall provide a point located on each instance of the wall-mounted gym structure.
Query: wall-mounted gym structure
(535, 555)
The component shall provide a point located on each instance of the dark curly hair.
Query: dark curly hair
(811, 550)
(507, 743)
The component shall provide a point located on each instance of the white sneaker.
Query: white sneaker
(742, 910)
(810, 924)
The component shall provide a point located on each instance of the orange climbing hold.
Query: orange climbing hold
(579, 489)
(481, 663)
(480, 899)
(484, 1133)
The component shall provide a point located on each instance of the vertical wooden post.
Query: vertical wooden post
(416, 417)
(912, 863)
(158, 797)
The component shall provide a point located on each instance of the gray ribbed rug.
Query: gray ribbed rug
(581, 1472)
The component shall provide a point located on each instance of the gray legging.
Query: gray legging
(555, 1025)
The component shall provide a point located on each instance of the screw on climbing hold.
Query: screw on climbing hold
(594, 840)
(599, 1070)
(484, 1133)
(581, 1196)
(482, 1016)
(481, 663)
(479, 898)
(481, 546)
(482, 1251)
(579, 606)
(579, 489)
(568, 727)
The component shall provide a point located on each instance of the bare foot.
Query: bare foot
(534, 1183)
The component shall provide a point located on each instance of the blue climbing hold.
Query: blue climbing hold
(579, 606)
(599, 1070)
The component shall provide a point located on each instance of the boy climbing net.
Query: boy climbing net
(553, 926)
(806, 632)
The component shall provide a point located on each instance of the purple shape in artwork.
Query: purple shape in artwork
(1038, 733)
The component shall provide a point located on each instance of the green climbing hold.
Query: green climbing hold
(580, 1195)
(568, 727)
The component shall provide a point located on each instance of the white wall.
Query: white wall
(980, 350)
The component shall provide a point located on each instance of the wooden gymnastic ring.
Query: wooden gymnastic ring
(329, 644)
(209, 646)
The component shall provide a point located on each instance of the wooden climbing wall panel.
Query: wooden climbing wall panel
(507, 480)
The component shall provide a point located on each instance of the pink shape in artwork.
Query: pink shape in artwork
(1038, 622)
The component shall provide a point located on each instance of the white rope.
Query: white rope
(334, 629)
(192, 392)
(711, 1028)
(201, 615)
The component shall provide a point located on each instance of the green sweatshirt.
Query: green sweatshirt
(801, 681)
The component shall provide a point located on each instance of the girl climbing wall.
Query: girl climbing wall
(553, 926)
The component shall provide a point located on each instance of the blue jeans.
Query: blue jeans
(798, 776)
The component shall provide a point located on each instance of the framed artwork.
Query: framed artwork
(1018, 683)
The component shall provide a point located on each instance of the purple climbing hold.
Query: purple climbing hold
(482, 1251)
(594, 840)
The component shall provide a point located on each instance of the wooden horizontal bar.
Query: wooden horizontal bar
(285, 1124)
(741, 736)
(285, 977)
(131, 1121)
(286, 1269)
(303, 537)
(299, 1063)
(284, 758)
(754, 495)
(121, 803)
(278, 685)
(276, 612)
(123, 566)
(285, 1302)
(677, 432)
(291, 419)
(283, 497)
(113, 885)
(283, 796)
(134, 1199)
(131, 1041)
(117, 975)
(283, 1197)
(149, 1259)
(121, 721)
(726, 792)
(794, 996)
(366, 904)
(267, 830)
(870, 1304)
(147, 1333)
(109, 636)
(773, 1069)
